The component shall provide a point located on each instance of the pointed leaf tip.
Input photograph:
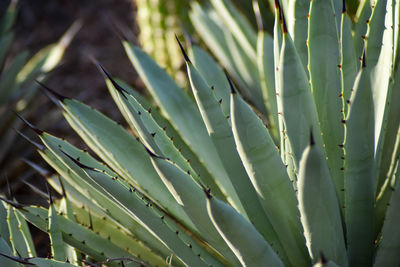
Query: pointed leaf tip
(17, 259)
(322, 258)
(183, 50)
(37, 145)
(151, 153)
(53, 95)
(233, 90)
(284, 27)
(312, 141)
(118, 31)
(107, 75)
(364, 64)
(42, 171)
(34, 128)
(206, 190)
(14, 204)
(281, 16)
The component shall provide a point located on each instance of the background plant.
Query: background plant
(193, 177)
(17, 86)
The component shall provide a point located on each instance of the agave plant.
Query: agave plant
(204, 182)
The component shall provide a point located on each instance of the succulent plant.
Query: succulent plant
(204, 182)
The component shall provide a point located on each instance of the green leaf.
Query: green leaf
(389, 245)
(4, 232)
(121, 151)
(298, 107)
(359, 172)
(213, 75)
(79, 236)
(349, 61)
(20, 239)
(266, 69)
(238, 26)
(241, 236)
(297, 19)
(270, 179)
(5, 249)
(360, 27)
(156, 138)
(55, 234)
(84, 191)
(155, 221)
(119, 235)
(191, 197)
(319, 208)
(222, 137)
(326, 85)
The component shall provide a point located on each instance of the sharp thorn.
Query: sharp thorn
(36, 190)
(277, 5)
(322, 258)
(312, 141)
(122, 32)
(183, 50)
(107, 75)
(152, 154)
(233, 91)
(17, 259)
(14, 204)
(364, 64)
(53, 95)
(36, 167)
(34, 128)
(284, 27)
(206, 190)
(37, 145)
(117, 31)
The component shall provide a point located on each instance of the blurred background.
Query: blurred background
(42, 22)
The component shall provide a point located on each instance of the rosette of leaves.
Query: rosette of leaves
(203, 181)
